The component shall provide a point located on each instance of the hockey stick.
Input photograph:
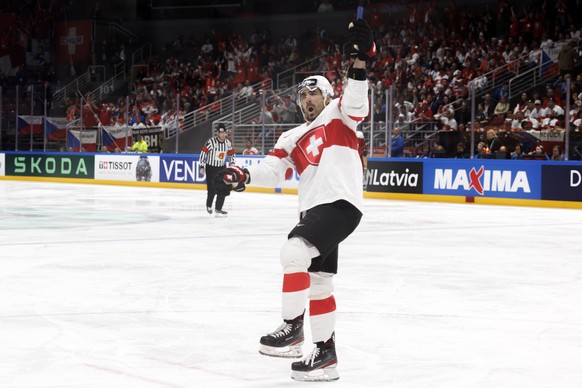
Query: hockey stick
(359, 15)
(360, 10)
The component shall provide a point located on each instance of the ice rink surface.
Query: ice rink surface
(104, 286)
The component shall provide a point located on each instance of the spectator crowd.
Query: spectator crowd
(430, 58)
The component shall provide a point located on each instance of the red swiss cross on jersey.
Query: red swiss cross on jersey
(310, 146)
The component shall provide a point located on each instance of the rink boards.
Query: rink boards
(490, 181)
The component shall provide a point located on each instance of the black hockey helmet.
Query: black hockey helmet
(220, 127)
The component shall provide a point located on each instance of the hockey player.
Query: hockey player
(324, 150)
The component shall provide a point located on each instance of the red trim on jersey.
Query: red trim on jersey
(323, 306)
(231, 152)
(278, 153)
(312, 144)
(204, 149)
(297, 281)
(341, 135)
(299, 160)
(355, 118)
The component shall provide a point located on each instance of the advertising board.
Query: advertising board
(491, 178)
(394, 177)
(562, 182)
(127, 167)
(50, 164)
(180, 169)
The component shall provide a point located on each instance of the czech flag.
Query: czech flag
(89, 140)
(116, 137)
(30, 124)
(548, 66)
(56, 128)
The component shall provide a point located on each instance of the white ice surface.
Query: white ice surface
(104, 286)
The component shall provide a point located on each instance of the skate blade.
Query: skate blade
(284, 352)
(323, 374)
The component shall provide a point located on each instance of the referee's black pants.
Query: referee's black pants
(211, 173)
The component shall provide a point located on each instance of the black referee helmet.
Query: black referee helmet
(220, 127)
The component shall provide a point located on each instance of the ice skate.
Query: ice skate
(220, 213)
(320, 365)
(284, 342)
(209, 210)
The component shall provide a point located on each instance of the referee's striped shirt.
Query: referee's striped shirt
(215, 152)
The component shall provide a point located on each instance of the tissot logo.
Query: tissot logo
(481, 180)
(110, 165)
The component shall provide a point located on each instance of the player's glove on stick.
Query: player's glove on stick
(361, 39)
(231, 178)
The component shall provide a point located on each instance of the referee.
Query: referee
(213, 159)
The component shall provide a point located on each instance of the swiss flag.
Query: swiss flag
(309, 148)
(73, 41)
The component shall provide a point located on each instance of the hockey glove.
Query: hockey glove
(361, 40)
(231, 178)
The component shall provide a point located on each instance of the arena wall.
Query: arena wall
(500, 182)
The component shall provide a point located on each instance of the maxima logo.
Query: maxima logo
(482, 180)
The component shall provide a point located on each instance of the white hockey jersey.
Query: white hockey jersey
(324, 152)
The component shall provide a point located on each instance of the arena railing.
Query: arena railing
(82, 82)
(263, 136)
(289, 77)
